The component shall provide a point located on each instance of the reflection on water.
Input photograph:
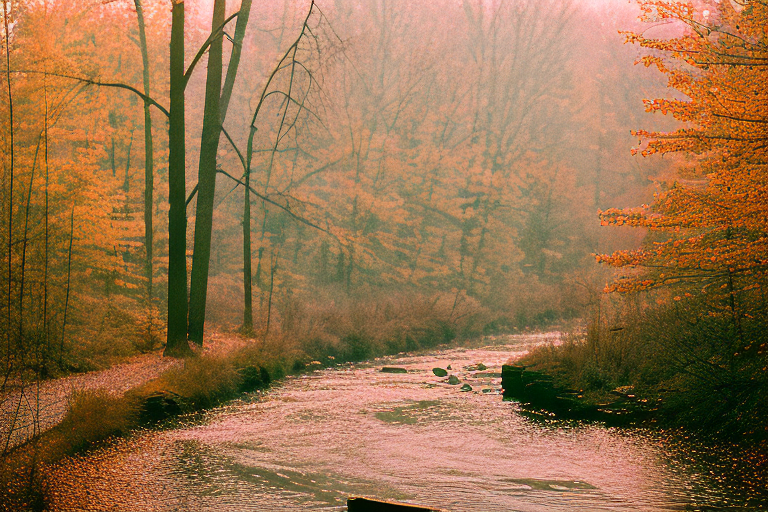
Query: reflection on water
(314, 440)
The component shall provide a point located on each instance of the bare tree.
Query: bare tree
(176, 344)
(149, 165)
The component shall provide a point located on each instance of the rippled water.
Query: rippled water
(312, 441)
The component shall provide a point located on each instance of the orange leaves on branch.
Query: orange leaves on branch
(714, 225)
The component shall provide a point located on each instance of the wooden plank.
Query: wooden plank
(356, 504)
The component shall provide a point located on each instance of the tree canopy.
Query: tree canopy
(710, 224)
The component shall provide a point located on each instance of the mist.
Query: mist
(299, 184)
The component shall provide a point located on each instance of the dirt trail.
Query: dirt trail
(33, 409)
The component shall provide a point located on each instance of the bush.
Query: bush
(95, 416)
(203, 381)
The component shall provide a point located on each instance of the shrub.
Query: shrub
(95, 416)
(707, 371)
(203, 381)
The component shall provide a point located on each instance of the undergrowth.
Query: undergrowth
(707, 372)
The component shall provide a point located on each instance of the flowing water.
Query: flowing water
(311, 441)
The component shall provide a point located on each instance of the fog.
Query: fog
(200, 198)
(445, 153)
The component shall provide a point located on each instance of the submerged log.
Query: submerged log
(356, 504)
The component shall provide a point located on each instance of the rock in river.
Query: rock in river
(439, 372)
(453, 380)
(393, 369)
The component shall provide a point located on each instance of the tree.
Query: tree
(713, 220)
(149, 161)
(176, 344)
(206, 180)
(216, 106)
(708, 231)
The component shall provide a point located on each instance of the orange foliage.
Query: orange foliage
(711, 225)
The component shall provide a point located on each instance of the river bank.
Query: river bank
(630, 380)
(85, 412)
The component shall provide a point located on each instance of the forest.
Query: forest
(334, 181)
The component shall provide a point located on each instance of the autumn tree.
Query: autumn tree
(714, 216)
(707, 242)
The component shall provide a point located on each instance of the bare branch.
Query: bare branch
(266, 199)
(89, 81)
(211, 38)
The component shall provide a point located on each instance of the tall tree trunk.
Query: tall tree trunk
(24, 248)
(206, 182)
(247, 284)
(6, 8)
(69, 275)
(176, 344)
(112, 159)
(273, 270)
(215, 113)
(126, 178)
(234, 58)
(47, 222)
(149, 162)
(234, 61)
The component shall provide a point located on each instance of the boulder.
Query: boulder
(512, 380)
(159, 406)
(536, 391)
(253, 377)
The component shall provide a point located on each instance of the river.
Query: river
(312, 440)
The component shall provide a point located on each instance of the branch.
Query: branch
(117, 85)
(191, 195)
(234, 146)
(301, 106)
(270, 201)
(741, 119)
(317, 171)
(279, 66)
(214, 35)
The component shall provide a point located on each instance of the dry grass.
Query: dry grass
(706, 370)
(95, 416)
(202, 382)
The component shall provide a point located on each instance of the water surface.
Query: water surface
(313, 440)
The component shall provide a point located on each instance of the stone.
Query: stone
(252, 378)
(159, 406)
(453, 380)
(393, 369)
(512, 381)
(439, 372)
(466, 387)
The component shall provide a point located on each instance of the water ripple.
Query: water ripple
(314, 440)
